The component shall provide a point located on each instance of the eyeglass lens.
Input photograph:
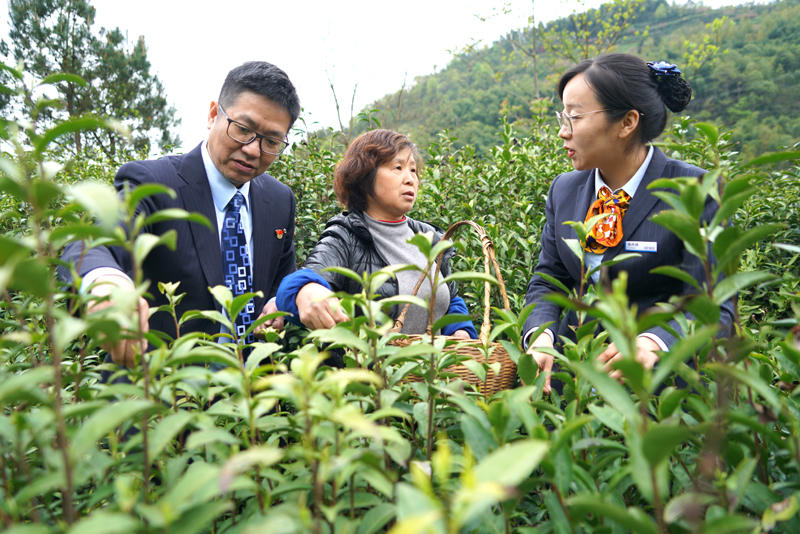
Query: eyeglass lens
(564, 121)
(245, 135)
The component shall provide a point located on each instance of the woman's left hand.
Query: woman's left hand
(461, 334)
(645, 354)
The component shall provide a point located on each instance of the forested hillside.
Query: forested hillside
(743, 63)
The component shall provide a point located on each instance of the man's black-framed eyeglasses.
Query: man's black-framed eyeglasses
(245, 135)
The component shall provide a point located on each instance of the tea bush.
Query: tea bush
(281, 443)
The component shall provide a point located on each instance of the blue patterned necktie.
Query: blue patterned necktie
(236, 264)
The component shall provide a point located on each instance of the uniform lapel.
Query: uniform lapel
(196, 197)
(584, 196)
(642, 204)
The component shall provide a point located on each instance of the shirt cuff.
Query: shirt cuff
(527, 337)
(92, 276)
(658, 340)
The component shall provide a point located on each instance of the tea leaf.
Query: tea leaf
(631, 519)
(611, 391)
(512, 463)
(660, 441)
(773, 157)
(729, 524)
(709, 131)
(63, 77)
(67, 127)
(175, 214)
(25, 386)
(685, 228)
(104, 421)
(675, 272)
(102, 522)
(165, 431)
(731, 243)
(145, 243)
(376, 518)
(341, 337)
(100, 200)
(245, 461)
(737, 282)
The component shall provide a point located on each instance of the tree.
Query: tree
(699, 52)
(591, 32)
(529, 51)
(48, 36)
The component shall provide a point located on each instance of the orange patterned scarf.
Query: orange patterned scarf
(607, 232)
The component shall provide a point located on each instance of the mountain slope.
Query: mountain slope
(750, 85)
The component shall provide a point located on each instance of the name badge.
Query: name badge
(641, 246)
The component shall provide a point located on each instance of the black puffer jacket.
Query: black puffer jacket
(346, 241)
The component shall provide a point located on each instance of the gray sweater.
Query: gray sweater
(391, 241)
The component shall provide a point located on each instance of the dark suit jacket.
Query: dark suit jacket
(196, 261)
(569, 199)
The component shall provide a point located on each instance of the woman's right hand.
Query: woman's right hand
(318, 307)
(543, 360)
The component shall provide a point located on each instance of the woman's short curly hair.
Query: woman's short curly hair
(354, 178)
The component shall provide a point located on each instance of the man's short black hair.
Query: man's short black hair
(264, 79)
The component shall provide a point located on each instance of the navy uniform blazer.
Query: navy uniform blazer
(568, 200)
(196, 261)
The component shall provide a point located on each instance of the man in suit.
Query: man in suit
(248, 125)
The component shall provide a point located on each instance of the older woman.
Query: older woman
(378, 181)
(614, 106)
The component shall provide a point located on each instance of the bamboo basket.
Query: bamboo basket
(474, 349)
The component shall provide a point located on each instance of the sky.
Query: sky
(371, 47)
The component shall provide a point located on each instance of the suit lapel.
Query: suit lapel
(584, 196)
(262, 235)
(196, 197)
(642, 204)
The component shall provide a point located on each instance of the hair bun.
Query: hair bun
(674, 90)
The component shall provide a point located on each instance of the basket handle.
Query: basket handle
(488, 257)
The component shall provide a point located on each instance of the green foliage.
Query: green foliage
(201, 439)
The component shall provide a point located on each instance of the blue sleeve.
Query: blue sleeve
(290, 287)
(457, 305)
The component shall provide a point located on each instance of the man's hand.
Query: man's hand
(124, 351)
(276, 323)
(318, 308)
(543, 360)
(645, 354)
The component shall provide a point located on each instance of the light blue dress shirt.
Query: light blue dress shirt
(222, 192)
